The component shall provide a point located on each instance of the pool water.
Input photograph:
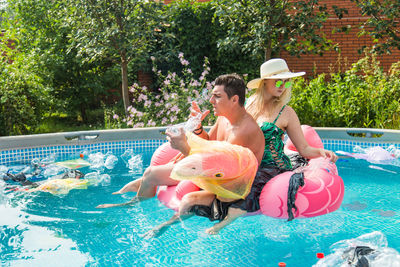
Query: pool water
(40, 229)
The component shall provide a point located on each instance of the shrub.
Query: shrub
(170, 103)
(22, 98)
(363, 96)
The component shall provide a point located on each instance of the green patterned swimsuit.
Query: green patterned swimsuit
(273, 151)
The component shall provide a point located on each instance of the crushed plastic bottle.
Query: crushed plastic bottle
(53, 170)
(135, 164)
(48, 160)
(394, 151)
(127, 155)
(3, 169)
(97, 161)
(374, 252)
(110, 161)
(189, 126)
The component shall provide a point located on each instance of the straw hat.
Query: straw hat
(275, 68)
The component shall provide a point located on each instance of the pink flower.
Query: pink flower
(164, 120)
(175, 109)
(184, 62)
(115, 117)
(142, 97)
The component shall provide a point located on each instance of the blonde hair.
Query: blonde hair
(257, 106)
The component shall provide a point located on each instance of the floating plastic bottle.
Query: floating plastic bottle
(49, 159)
(110, 161)
(189, 126)
(127, 155)
(135, 164)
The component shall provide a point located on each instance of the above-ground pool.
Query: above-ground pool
(41, 229)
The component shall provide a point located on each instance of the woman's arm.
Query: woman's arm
(295, 133)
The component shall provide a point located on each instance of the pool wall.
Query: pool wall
(22, 149)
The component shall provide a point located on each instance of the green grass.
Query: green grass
(61, 122)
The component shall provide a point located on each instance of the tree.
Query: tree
(268, 26)
(119, 30)
(382, 24)
(42, 39)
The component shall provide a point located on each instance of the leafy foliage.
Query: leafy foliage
(170, 104)
(363, 96)
(266, 27)
(22, 97)
(114, 30)
(41, 34)
(194, 29)
(382, 23)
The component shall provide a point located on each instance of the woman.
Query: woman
(268, 106)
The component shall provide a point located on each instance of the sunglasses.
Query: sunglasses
(288, 83)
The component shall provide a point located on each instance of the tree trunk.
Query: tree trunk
(83, 113)
(124, 72)
(268, 50)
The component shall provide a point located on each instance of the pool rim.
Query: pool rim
(155, 133)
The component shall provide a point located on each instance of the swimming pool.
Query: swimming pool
(41, 229)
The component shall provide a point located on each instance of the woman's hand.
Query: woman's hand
(329, 154)
(178, 141)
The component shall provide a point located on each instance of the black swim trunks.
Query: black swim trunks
(218, 209)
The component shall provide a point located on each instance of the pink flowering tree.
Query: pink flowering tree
(170, 103)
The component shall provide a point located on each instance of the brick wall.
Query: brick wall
(349, 44)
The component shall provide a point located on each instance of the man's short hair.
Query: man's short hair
(233, 85)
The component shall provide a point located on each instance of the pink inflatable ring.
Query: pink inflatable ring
(322, 192)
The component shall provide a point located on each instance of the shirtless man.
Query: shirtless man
(233, 125)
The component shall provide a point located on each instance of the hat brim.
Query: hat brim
(284, 75)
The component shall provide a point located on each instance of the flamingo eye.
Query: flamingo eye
(218, 174)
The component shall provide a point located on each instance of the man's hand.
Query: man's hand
(195, 110)
(178, 141)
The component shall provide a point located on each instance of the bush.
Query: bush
(170, 103)
(22, 99)
(364, 96)
(195, 29)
